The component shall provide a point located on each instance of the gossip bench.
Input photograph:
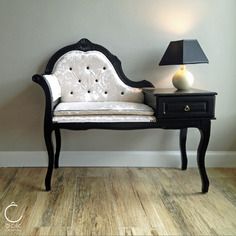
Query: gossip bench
(85, 88)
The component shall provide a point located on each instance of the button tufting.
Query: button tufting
(105, 92)
(88, 91)
(71, 92)
(79, 80)
(70, 68)
(104, 68)
(96, 80)
(87, 67)
(122, 93)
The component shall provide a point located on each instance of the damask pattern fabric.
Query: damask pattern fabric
(103, 119)
(54, 86)
(89, 77)
(90, 90)
(102, 108)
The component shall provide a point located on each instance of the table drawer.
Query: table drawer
(177, 107)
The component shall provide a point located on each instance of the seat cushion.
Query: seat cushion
(102, 108)
(103, 119)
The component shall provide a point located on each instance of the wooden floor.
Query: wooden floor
(118, 201)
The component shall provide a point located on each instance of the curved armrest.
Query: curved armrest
(52, 91)
(52, 83)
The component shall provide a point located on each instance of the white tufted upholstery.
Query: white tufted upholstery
(102, 108)
(91, 91)
(89, 77)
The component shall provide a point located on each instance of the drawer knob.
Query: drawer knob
(187, 108)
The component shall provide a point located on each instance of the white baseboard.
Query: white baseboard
(116, 158)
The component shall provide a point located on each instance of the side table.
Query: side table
(183, 109)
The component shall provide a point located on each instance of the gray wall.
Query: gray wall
(136, 31)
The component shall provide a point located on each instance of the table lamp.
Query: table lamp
(183, 52)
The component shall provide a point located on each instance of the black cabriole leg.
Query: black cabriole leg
(182, 144)
(58, 147)
(201, 152)
(49, 145)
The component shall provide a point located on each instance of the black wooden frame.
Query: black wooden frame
(182, 124)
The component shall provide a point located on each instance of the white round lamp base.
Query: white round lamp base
(183, 79)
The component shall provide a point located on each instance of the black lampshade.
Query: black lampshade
(183, 52)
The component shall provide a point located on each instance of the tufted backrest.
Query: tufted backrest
(90, 76)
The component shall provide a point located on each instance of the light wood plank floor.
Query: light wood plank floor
(118, 201)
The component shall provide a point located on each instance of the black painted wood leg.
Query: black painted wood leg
(182, 144)
(201, 152)
(49, 145)
(58, 147)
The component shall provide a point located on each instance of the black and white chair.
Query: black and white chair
(85, 88)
